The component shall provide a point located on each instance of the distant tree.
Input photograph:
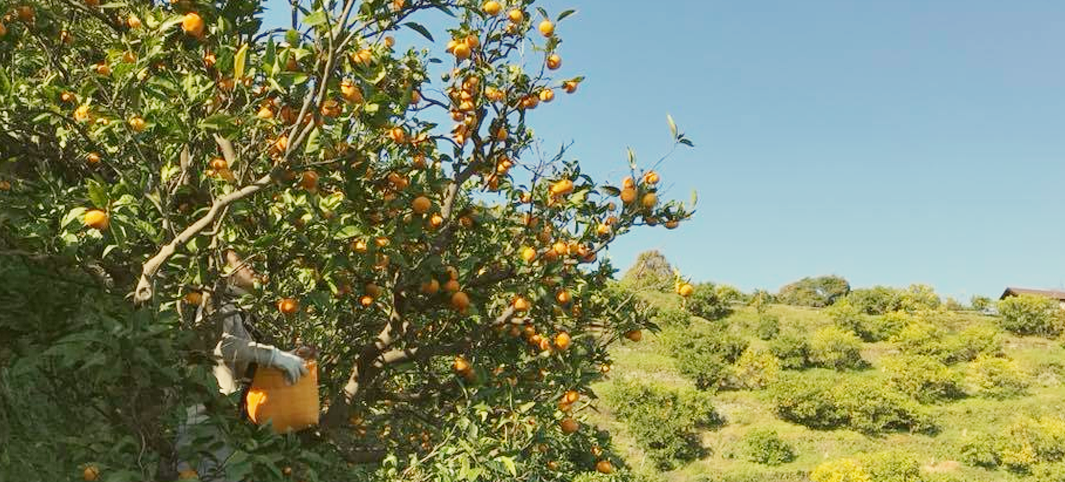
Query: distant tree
(650, 271)
(980, 303)
(919, 297)
(953, 304)
(706, 303)
(877, 300)
(816, 292)
(1031, 315)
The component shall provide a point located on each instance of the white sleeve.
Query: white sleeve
(237, 347)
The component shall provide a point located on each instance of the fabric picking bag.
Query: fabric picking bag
(287, 407)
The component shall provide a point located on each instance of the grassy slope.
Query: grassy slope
(745, 410)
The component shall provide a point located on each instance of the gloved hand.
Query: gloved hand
(289, 364)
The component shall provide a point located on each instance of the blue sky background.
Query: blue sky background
(889, 142)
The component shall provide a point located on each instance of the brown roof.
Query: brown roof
(1011, 291)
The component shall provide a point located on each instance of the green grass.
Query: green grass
(746, 410)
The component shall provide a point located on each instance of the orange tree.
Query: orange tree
(402, 223)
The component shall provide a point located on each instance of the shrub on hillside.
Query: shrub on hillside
(883, 327)
(923, 378)
(877, 300)
(706, 303)
(755, 369)
(816, 292)
(891, 466)
(1029, 441)
(997, 378)
(807, 400)
(841, 470)
(872, 408)
(760, 300)
(768, 326)
(980, 450)
(663, 420)
(831, 347)
(1031, 315)
(671, 317)
(918, 297)
(952, 304)
(764, 446)
(974, 342)
(703, 357)
(848, 318)
(922, 338)
(792, 349)
(729, 294)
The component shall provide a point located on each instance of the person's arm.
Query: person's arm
(238, 348)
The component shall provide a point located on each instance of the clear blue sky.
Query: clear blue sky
(889, 142)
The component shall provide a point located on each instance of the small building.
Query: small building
(1052, 294)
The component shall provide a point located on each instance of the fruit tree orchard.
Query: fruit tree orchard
(448, 274)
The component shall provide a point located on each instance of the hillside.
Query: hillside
(971, 415)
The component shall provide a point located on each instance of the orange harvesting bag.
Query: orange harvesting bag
(288, 407)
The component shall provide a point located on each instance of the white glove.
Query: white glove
(289, 364)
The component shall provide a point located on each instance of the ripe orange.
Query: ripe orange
(628, 183)
(398, 135)
(133, 21)
(515, 16)
(90, 473)
(473, 41)
(462, 51)
(68, 97)
(528, 254)
(562, 187)
(650, 177)
(97, 219)
(452, 273)
(492, 7)
(92, 3)
(570, 86)
(649, 200)
(634, 335)
(604, 467)
(547, 95)
(3, 30)
(103, 69)
(366, 301)
(603, 230)
(552, 465)
(685, 290)
(25, 13)
(188, 474)
(430, 287)
(672, 224)
(562, 340)
(560, 248)
(546, 28)
(563, 297)
(421, 205)
(265, 113)
(359, 246)
(436, 220)
(351, 93)
(137, 123)
(628, 195)
(309, 180)
(571, 396)
(451, 285)
(219, 164)
(521, 304)
(331, 108)
(461, 365)
(93, 158)
(460, 301)
(287, 306)
(192, 24)
(390, 41)
(569, 425)
(554, 61)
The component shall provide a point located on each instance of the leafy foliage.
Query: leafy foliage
(841, 470)
(665, 419)
(792, 349)
(892, 466)
(923, 378)
(997, 378)
(139, 139)
(877, 300)
(651, 271)
(764, 446)
(755, 369)
(825, 402)
(703, 356)
(706, 303)
(831, 347)
(816, 292)
(1031, 315)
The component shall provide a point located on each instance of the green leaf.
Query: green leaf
(313, 142)
(672, 125)
(315, 19)
(216, 122)
(98, 194)
(686, 142)
(565, 14)
(420, 29)
(542, 12)
(610, 190)
(508, 462)
(292, 37)
(632, 158)
(74, 215)
(347, 232)
(238, 62)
